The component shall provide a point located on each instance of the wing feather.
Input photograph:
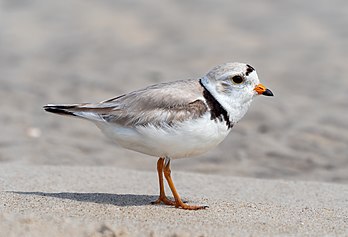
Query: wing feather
(161, 104)
(165, 103)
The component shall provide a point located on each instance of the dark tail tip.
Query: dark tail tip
(58, 110)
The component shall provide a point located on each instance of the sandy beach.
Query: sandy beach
(283, 170)
(99, 201)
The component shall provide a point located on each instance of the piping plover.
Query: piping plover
(176, 119)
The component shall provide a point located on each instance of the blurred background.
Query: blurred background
(87, 51)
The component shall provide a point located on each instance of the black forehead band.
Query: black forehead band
(249, 70)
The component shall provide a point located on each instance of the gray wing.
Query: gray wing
(161, 104)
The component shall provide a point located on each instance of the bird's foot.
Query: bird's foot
(178, 204)
(184, 206)
(164, 200)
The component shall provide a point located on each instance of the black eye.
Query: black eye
(237, 79)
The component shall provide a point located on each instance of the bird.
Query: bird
(173, 120)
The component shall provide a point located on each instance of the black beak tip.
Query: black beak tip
(268, 92)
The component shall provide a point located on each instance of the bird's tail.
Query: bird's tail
(61, 109)
(86, 111)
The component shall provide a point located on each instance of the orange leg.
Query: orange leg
(178, 202)
(162, 197)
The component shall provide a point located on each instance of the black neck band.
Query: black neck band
(216, 109)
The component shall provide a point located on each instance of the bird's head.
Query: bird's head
(234, 85)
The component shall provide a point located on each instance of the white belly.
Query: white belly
(186, 139)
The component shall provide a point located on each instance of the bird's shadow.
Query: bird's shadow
(100, 198)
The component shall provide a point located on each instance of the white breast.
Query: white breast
(186, 139)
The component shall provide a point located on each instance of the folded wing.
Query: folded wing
(161, 104)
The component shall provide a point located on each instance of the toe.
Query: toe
(163, 200)
(189, 207)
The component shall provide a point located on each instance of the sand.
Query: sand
(283, 170)
(100, 201)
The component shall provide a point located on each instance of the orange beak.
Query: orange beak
(262, 90)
